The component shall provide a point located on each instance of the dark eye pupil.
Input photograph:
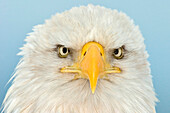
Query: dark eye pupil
(64, 50)
(116, 51)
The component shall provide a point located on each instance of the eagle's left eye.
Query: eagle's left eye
(118, 53)
(63, 51)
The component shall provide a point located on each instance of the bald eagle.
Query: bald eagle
(89, 59)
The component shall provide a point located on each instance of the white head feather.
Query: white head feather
(39, 86)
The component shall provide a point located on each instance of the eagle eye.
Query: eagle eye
(63, 51)
(118, 53)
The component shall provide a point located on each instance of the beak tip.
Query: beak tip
(93, 90)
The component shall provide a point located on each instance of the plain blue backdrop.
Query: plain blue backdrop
(17, 17)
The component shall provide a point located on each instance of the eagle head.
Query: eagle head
(89, 59)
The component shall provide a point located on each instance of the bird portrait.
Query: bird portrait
(89, 59)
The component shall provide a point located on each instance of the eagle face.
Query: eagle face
(86, 60)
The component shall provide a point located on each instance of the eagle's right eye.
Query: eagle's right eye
(63, 51)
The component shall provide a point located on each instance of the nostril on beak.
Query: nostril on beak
(100, 53)
(84, 53)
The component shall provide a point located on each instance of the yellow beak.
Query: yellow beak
(92, 64)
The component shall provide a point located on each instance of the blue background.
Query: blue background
(17, 17)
